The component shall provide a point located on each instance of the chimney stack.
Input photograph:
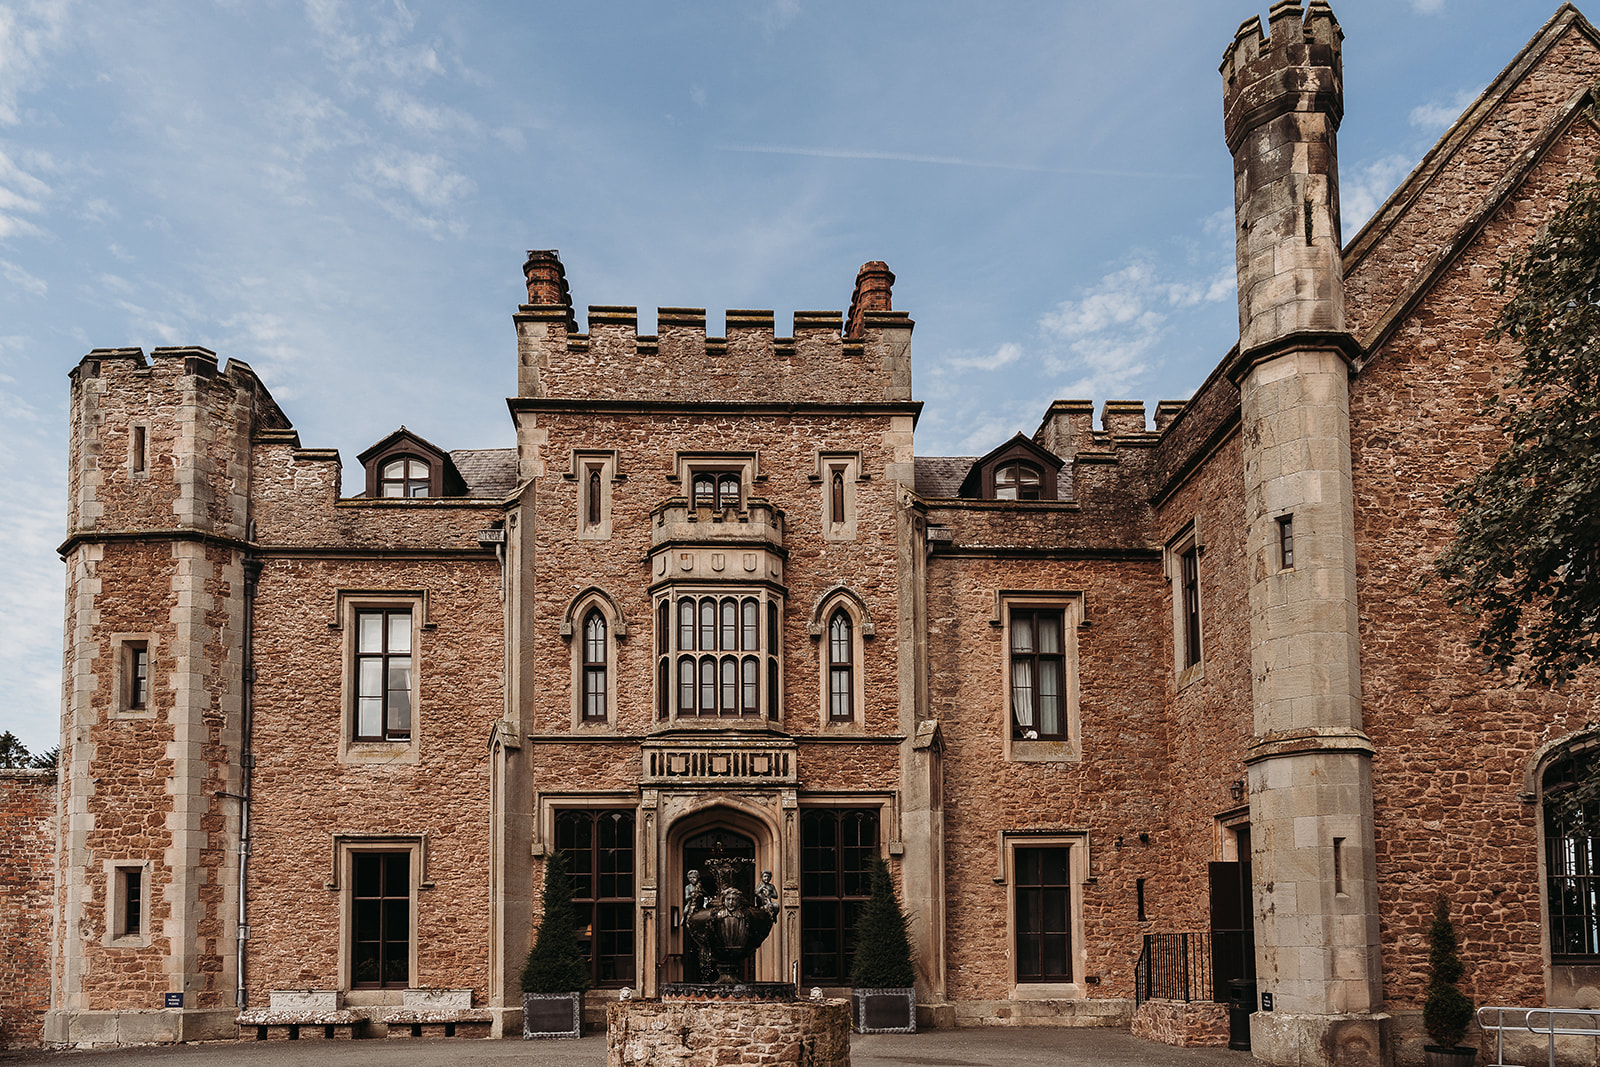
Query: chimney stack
(874, 282)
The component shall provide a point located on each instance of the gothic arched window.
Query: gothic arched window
(594, 666)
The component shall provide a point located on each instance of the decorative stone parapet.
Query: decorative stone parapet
(1183, 1025)
(757, 762)
(713, 1033)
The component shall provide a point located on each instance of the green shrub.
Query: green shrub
(1447, 1010)
(556, 963)
(883, 947)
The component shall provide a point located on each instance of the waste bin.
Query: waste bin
(1241, 1002)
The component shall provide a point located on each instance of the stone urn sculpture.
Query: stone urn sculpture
(729, 930)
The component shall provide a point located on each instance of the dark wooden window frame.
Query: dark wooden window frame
(717, 489)
(1189, 615)
(595, 699)
(408, 481)
(837, 847)
(381, 904)
(1572, 863)
(1043, 910)
(841, 667)
(597, 845)
(1028, 667)
(709, 652)
(388, 729)
(138, 675)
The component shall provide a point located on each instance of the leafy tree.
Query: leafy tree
(883, 945)
(556, 963)
(1526, 558)
(13, 753)
(1446, 1011)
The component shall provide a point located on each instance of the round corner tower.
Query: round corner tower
(1315, 887)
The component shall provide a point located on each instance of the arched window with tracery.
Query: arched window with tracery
(841, 667)
(594, 667)
(1571, 792)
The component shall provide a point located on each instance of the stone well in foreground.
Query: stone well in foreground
(711, 1033)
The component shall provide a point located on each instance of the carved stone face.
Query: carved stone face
(732, 899)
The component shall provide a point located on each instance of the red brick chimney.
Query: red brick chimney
(873, 284)
(547, 278)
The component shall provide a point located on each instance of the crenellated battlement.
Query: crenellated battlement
(819, 361)
(163, 441)
(1298, 68)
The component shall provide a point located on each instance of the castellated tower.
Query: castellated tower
(153, 732)
(1311, 817)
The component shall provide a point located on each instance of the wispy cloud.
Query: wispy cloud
(1427, 7)
(1364, 188)
(1435, 116)
(28, 32)
(22, 279)
(948, 161)
(1003, 356)
(1107, 336)
(417, 116)
(21, 193)
(433, 187)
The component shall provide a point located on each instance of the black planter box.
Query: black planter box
(885, 1011)
(552, 1015)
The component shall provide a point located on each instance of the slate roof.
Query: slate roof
(941, 476)
(488, 472)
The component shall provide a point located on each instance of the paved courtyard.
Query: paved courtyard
(998, 1047)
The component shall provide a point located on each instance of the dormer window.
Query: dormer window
(403, 466)
(1017, 481)
(406, 476)
(1021, 469)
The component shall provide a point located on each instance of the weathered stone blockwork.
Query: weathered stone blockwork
(27, 858)
(694, 1033)
(1297, 782)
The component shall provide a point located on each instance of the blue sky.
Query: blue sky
(340, 193)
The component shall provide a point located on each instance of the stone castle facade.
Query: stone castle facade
(1101, 687)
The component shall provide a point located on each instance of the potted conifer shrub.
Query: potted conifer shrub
(881, 971)
(556, 972)
(1446, 1011)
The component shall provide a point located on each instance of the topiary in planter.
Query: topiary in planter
(883, 947)
(881, 970)
(556, 971)
(1446, 1011)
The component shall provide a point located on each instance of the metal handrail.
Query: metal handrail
(1549, 1029)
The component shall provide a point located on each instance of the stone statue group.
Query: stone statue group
(724, 925)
